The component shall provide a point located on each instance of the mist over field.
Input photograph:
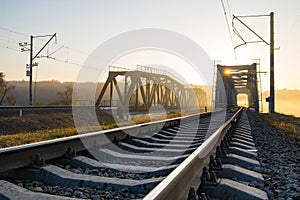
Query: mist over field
(287, 101)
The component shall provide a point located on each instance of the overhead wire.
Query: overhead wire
(56, 50)
(77, 64)
(9, 42)
(4, 46)
(6, 40)
(230, 15)
(227, 23)
(239, 36)
(66, 46)
(5, 29)
(43, 40)
(245, 25)
(228, 6)
(10, 39)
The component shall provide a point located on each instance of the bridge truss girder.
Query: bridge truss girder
(242, 79)
(140, 90)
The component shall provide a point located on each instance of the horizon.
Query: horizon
(283, 104)
(297, 89)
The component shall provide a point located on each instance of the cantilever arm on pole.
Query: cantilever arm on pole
(237, 33)
(54, 35)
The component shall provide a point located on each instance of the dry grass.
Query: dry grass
(31, 137)
(287, 123)
(8, 140)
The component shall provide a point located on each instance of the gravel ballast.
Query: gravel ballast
(279, 155)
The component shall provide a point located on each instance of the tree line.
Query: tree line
(5, 89)
(16, 93)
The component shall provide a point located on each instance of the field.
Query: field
(287, 123)
(34, 128)
(40, 127)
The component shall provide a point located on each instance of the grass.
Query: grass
(287, 123)
(28, 137)
(31, 137)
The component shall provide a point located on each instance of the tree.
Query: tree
(5, 87)
(11, 99)
(65, 97)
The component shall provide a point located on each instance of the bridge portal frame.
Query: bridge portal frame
(234, 80)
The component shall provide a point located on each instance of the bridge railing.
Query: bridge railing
(112, 68)
(147, 69)
(153, 70)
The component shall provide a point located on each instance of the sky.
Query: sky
(82, 26)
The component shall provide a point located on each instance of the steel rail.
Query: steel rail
(20, 156)
(38, 107)
(22, 110)
(188, 174)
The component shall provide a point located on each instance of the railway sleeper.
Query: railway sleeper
(54, 175)
(171, 151)
(150, 159)
(170, 137)
(242, 152)
(142, 143)
(232, 172)
(10, 191)
(230, 189)
(174, 141)
(240, 174)
(85, 162)
(183, 133)
(241, 161)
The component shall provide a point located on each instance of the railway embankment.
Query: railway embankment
(279, 154)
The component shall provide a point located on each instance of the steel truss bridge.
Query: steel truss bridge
(234, 80)
(141, 89)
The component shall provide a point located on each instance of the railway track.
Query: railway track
(170, 159)
(6, 111)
